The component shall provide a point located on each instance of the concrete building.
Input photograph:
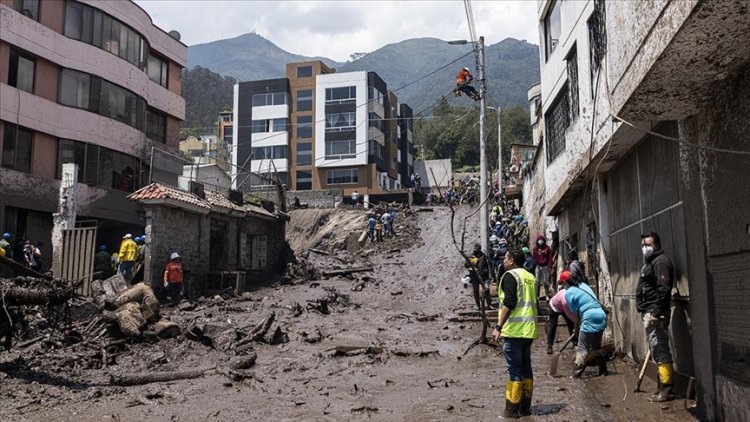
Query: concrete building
(212, 176)
(206, 149)
(349, 132)
(645, 117)
(94, 83)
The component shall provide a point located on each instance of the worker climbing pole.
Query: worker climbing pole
(463, 84)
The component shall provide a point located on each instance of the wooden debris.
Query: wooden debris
(318, 251)
(346, 271)
(147, 378)
(356, 350)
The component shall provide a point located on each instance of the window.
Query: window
(260, 252)
(304, 127)
(259, 126)
(28, 8)
(21, 71)
(81, 90)
(277, 98)
(343, 176)
(270, 153)
(341, 121)
(92, 26)
(556, 121)
(228, 134)
(552, 29)
(117, 170)
(156, 126)
(85, 155)
(304, 154)
(279, 125)
(226, 118)
(376, 95)
(376, 122)
(341, 95)
(304, 71)
(158, 70)
(304, 100)
(17, 147)
(572, 63)
(304, 180)
(341, 149)
(597, 39)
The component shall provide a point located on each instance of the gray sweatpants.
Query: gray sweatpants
(542, 279)
(658, 337)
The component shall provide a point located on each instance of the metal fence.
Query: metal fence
(78, 249)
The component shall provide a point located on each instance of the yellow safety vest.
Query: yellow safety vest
(521, 322)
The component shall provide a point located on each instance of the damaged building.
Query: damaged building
(224, 243)
(644, 110)
(94, 83)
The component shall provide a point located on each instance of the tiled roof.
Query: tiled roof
(159, 191)
(213, 199)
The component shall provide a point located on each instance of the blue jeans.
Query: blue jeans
(518, 358)
(126, 269)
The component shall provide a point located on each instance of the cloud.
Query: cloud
(335, 29)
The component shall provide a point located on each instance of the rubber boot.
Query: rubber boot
(602, 362)
(527, 392)
(578, 371)
(665, 383)
(513, 394)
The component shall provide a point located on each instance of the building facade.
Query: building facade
(645, 119)
(322, 130)
(94, 83)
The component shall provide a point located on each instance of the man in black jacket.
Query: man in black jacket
(653, 299)
(480, 262)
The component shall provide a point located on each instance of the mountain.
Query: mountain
(246, 58)
(406, 66)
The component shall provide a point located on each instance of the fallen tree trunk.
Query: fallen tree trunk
(147, 378)
(21, 268)
(15, 295)
(346, 271)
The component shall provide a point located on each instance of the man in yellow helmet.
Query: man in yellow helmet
(517, 326)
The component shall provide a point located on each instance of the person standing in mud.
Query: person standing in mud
(371, 222)
(517, 326)
(589, 318)
(480, 262)
(173, 278)
(653, 298)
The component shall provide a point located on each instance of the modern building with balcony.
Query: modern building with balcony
(317, 129)
(645, 122)
(94, 83)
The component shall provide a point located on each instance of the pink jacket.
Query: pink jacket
(560, 305)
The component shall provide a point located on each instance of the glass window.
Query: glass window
(259, 100)
(156, 126)
(341, 149)
(280, 151)
(157, 70)
(279, 98)
(71, 152)
(74, 20)
(340, 121)
(304, 127)
(342, 176)
(17, 147)
(21, 71)
(28, 8)
(304, 100)
(344, 94)
(75, 88)
(259, 126)
(276, 98)
(304, 154)
(552, 29)
(117, 170)
(92, 164)
(304, 180)
(279, 125)
(304, 71)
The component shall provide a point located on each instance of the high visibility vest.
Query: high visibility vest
(521, 322)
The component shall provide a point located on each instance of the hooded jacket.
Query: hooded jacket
(542, 255)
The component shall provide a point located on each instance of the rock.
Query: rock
(130, 319)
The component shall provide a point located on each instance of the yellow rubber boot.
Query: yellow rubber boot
(527, 386)
(665, 372)
(513, 394)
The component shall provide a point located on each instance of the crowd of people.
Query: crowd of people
(23, 252)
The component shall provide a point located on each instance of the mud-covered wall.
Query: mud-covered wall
(718, 194)
(320, 198)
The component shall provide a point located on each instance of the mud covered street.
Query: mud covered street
(387, 345)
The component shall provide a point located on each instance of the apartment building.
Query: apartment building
(644, 111)
(317, 129)
(206, 149)
(94, 83)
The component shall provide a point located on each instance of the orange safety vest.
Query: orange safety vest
(173, 272)
(463, 76)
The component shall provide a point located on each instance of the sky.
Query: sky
(336, 29)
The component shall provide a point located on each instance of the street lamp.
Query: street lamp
(483, 179)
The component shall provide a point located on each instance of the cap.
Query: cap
(7, 235)
(564, 276)
(128, 236)
(102, 247)
(174, 255)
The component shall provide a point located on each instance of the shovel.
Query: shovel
(556, 357)
(643, 371)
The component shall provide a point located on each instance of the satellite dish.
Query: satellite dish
(174, 34)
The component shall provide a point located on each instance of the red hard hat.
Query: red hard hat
(564, 276)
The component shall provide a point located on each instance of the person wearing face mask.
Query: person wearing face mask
(542, 254)
(653, 297)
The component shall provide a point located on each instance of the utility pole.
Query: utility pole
(499, 151)
(483, 179)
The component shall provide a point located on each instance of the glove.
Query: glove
(166, 284)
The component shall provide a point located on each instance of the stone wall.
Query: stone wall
(322, 198)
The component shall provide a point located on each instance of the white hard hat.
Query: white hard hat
(174, 255)
(127, 236)
(466, 69)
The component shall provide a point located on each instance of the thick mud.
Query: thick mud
(387, 351)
